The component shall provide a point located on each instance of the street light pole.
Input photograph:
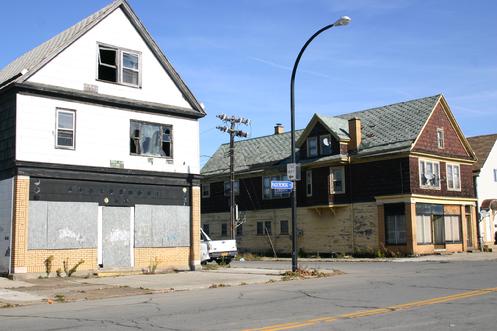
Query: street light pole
(344, 20)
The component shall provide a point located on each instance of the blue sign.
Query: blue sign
(281, 185)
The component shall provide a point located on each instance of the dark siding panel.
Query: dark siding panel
(7, 133)
(384, 177)
(118, 194)
(316, 132)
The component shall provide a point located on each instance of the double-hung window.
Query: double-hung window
(440, 138)
(337, 180)
(151, 139)
(206, 190)
(429, 174)
(453, 177)
(66, 128)
(268, 193)
(284, 227)
(312, 146)
(325, 144)
(308, 183)
(227, 188)
(119, 66)
(224, 229)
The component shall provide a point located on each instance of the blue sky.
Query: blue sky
(236, 56)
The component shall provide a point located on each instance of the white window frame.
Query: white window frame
(332, 179)
(440, 138)
(425, 161)
(206, 190)
(57, 129)
(308, 183)
(321, 144)
(453, 178)
(315, 140)
(120, 65)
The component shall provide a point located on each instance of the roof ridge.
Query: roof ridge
(392, 104)
(482, 135)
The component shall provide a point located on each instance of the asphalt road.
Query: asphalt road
(370, 296)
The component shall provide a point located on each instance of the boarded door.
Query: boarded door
(116, 237)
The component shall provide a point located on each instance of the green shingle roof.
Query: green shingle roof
(391, 128)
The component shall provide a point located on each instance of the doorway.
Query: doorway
(117, 237)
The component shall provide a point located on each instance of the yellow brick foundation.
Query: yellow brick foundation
(194, 257)
(169, 258)
(35, 259)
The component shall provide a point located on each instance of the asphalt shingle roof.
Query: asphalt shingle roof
(37, 55)
(391, 128)
(482, 145)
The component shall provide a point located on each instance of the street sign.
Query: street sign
(293, 171)
(281, 185)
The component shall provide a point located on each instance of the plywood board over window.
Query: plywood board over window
(62, 225)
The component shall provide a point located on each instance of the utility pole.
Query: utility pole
(233, 132)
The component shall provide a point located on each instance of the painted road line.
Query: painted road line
(377, 311)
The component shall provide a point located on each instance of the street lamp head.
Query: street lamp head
(344, 20)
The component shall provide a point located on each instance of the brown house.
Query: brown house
(397, 177)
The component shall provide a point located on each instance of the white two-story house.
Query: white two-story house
(485, 178)
(99, 152)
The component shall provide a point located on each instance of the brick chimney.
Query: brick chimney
(355, 134)
(279, 128)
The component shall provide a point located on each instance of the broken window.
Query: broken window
(118, 66)
(66, 122)
(107, 64)
(150, 139)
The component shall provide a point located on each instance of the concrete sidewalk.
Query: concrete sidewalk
(54, 290)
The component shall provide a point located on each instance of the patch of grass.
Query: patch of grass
(248, 257)
(60, 298)
(270, 281)
(48, 265)
(243, 284)
(211, 266)
(302, 274)
(8, 305)
(219, 285)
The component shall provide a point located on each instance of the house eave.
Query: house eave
(38, 89)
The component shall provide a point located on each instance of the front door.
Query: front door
(439, 231)
(116, 237)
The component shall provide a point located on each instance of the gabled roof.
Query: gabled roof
(482, 145)
(19, 70)
(388, 129)
(251, 154)
(393, 127)
(338, 127)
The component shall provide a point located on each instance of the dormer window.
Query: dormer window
(119, 66)
(312, 146)
(440, 138)
(325, 144)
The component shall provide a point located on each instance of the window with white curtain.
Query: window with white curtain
(452, 228)
(423, 229)
(453, 177)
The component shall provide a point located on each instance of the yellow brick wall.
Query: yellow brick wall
(19, 224)
(35, 259)
(323, 230)
(195, 229)
(169, 258)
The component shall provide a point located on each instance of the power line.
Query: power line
(233, 121)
